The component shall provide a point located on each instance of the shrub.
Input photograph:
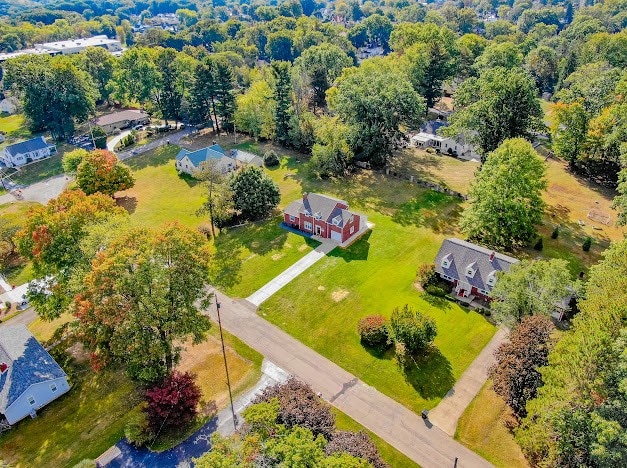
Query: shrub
(555, 232)
(270, 159)
(539, 244)
(587, 243)
(357, 444)
(400, 351)
(300, 406)
(435, 291)
(373, 331)
(412, 329)
(172, 403)
(137, 430)
(426, 274)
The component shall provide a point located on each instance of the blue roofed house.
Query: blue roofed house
(27, 151)
(472, 269)
(29, 377)
(191, 161)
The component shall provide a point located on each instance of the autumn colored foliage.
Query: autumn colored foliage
(101, 172)
(300, 406)
(357, 444)
(373, 331)
(172, 403)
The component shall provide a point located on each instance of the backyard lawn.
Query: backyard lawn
(14, 126)
(321, 307)
(40, 170)
(17, 273)
(481, 429)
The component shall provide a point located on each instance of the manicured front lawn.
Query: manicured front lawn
(18, 272)
(481, 429)
(14, 125)
(390, 455)
(321, 307)
(40, 170)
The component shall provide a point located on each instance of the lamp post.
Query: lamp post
(226, 367)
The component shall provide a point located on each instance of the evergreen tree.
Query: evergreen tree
(282, 92)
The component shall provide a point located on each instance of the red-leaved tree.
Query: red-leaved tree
(357, 444)
(173, 403)
(515, 376)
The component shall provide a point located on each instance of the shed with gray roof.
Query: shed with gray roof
(29, 377)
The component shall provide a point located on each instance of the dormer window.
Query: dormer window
(318, 215)
(337, 220)
(471, 270)
(446, 261)
(491, 280)
(307, 213)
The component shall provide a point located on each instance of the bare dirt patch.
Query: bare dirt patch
(339, 295)
(278, 256)
(303, 247)
(321, 288)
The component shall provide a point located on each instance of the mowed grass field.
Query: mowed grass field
(322, 306)
(481, 429)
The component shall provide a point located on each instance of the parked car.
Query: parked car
(138, 127)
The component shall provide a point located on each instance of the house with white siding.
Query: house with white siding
(27, 151)
(29, 377)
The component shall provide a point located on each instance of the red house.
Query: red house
(325, 217)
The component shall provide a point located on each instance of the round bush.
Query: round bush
(270, 158)
(587, 243)
(435, 291)
(373, 331)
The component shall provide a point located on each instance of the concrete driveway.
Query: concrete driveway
(173, 138)
(111, 144)
(40, 192)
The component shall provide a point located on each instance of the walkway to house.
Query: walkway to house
(420, 440)
(124, 454)
(288, 275)
(447, 413)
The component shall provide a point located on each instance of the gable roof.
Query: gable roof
(27, 146)
(432, 126)
(202, 155)
(327, 207)
(28, 364)
(462, 254)
(246, 157)
(129, 114)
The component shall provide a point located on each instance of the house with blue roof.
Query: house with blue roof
(189, 162)
(29, 377)
(27, 151)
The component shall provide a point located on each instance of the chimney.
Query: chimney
(304, 196)
(492, 255)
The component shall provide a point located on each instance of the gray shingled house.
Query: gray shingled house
(29, 377)
(470, 268)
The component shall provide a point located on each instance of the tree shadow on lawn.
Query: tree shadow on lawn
(435, 210)
(260, 237)
(225, 267)
(438, 302)
(128, 203)
(356, 252)
(431, 374)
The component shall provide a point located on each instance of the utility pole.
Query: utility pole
(226, 367)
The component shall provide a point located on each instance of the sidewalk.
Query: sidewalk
(447, 413)
(288, 275)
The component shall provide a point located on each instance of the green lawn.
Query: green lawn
(481, 429)
(321, 307)
(390, 455)
(18, 272)
(245, 258)
(14, 125)
(40, 170)
(81, 424)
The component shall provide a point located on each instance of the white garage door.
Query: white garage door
(336, 236)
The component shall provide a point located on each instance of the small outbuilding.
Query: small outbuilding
(29, 377)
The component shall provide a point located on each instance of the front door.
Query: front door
(318, 230)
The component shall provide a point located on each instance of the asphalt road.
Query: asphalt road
(418, 439)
